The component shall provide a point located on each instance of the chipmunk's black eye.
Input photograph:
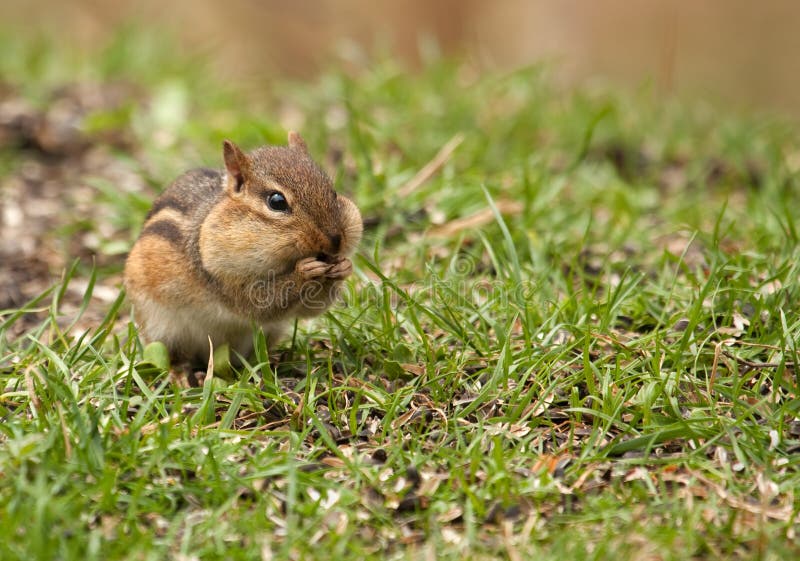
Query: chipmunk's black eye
(277, 202)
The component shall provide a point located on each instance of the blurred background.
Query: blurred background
(738, 52)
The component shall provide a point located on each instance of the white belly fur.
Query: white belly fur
(186, 331)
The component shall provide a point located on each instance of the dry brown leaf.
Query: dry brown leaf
(415, 369)
(333, 461)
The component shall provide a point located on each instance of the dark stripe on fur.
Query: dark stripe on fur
(166, 229)
(167, 202)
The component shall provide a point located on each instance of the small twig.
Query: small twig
(245, 417)
(31, 388)
(476, 220)
(754, 365)
(759, 345)
(432, 167)
(784, 512)
(271, 425)
(717, 351)
(613, 341)
(508, 541)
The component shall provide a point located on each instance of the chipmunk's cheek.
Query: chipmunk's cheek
(352, 225)
(250, 251)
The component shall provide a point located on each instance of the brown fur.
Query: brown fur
(214, 258)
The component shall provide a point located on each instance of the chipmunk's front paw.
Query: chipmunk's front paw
(340, 269)
(312, 268)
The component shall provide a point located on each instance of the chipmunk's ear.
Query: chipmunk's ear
(236, 164)
(296, 142)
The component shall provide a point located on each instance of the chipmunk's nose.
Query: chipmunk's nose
(336, 242)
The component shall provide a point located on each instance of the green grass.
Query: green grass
(577, 340)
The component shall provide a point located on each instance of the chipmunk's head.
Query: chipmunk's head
(279, 207)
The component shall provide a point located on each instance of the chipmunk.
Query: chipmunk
(264, 241)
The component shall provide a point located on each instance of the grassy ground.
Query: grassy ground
(572, 333)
